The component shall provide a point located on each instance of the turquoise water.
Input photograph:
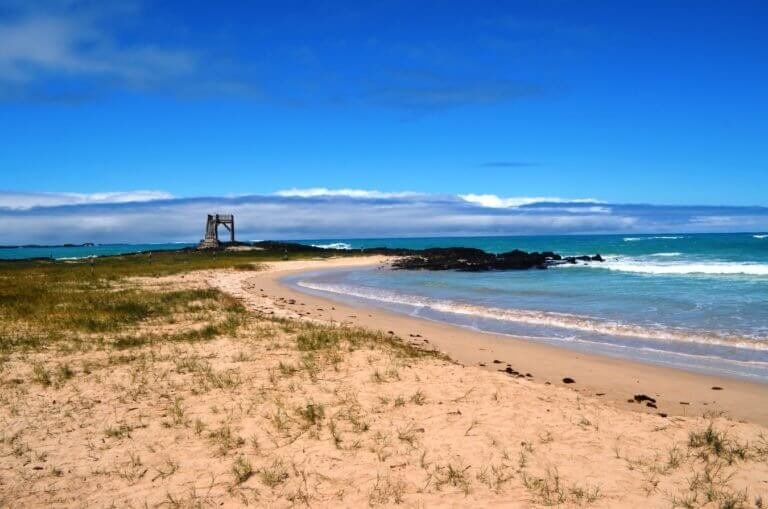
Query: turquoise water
(695, 301)
(698, 302)
(77, 252)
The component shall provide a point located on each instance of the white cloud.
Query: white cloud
(24, 201)
(314, 192)
(497, 202)
(74, 45)
(51, 218)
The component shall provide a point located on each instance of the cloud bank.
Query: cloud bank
(155, 216)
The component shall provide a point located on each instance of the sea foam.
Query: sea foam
(544, 318)
(681, 268)
(334, 245)
(657, 237)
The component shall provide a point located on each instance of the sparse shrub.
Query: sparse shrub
(418, 398)
(549, 489)
(275, 474)
(64, 372)
(177, 413)
(386, 490)
(452, 475)
(312, 413)
(120, 431)
(41, 375)
(711, 442)
(224, 439)
(241, 469)
(247, 267)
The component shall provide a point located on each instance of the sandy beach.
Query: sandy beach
(614, 381)
(287, 402)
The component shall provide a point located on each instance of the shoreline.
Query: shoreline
(614, 381)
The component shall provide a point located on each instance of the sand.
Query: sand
(616, 381)
(251, 419)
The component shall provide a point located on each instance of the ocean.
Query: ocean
(694, 301)
(86, 251)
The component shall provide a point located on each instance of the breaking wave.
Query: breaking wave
(681, 268)
(333, 245)
(762, 236)
(657, 237)
(544, 318)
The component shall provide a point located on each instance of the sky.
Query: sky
(612, 115)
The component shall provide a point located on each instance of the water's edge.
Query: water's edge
(528, 327)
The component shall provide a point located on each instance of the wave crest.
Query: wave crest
(545, 318)
(657, 237)
(334, 245)
(639, 266)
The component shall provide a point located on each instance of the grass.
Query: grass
(120, 431)
(224, 439)
(275, 474)
(41, 375)
(177, 413)
(386, 490)
(241, 469)
(713, 443)
(312, 413)
(46, 302)
(324, 338)
(40, 312)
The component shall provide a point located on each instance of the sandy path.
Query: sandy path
(615, 381)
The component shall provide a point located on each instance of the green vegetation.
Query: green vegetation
(275, 474)
(160, 263)
(45, 302)
(324, 339)
(93, 302)
(242, 469)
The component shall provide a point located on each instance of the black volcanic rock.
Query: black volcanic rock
(466, 259)
(470, 260)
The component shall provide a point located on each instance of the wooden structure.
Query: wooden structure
(211, 240)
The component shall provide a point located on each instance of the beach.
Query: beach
(614, 381)
(247, 392)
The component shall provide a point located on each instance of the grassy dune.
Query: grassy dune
(89, 302)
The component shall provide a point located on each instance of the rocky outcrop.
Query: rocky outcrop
(475, 260)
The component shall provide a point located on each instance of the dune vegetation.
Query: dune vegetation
(135, 383)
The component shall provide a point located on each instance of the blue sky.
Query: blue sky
(652, 102)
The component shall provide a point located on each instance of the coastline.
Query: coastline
(242, 392)
(613, 381)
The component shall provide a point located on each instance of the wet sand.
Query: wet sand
(614, 381)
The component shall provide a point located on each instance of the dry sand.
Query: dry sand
(616, 381)
(252, 420)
